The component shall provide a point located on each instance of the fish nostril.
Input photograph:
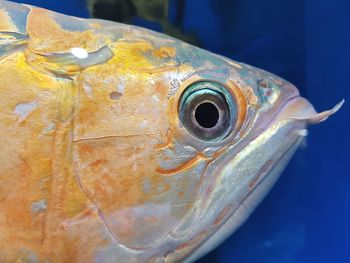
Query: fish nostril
(268, 91)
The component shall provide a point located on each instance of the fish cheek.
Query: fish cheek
(121, 133)
(138, 205)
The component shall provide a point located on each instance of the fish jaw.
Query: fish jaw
(237, 185)
(246, 180)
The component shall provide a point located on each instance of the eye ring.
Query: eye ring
(208, 110)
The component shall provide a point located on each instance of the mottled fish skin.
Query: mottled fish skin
(95, 164)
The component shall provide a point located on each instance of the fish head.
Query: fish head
(175, 146)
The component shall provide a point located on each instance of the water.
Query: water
(306, 216)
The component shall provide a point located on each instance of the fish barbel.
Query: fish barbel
(120, 144)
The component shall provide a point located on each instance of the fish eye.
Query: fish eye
(208, 110)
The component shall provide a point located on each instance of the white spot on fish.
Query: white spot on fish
(143, 124)
(303, 132)
(134, 167)
(78, 52)
(24, 109)
(87, 88)
(155, 98)
(48, 129)
(40, 205)
(121, 88)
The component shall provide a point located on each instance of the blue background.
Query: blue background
(306, 217)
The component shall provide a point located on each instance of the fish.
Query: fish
(120, 144)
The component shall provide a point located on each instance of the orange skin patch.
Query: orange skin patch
(192, 162)
(47, 36)
(165, 52)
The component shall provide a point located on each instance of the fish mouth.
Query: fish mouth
(301, 109)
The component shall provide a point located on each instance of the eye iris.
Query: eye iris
(207, 115)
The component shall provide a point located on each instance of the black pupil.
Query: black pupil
(207, 115)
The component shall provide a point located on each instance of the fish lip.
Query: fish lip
(299, 108)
